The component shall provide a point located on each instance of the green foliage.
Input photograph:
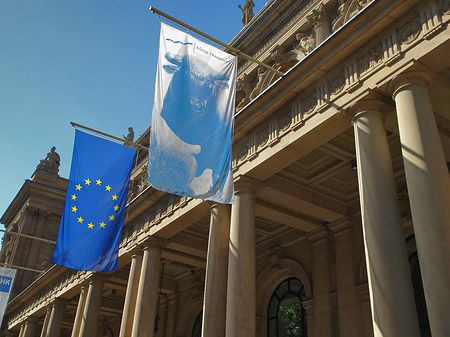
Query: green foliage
(290, 320)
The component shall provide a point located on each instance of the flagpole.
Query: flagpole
(28, 236)
(21, 268)
(110, 136)
(237, 51)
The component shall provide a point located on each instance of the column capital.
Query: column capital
(341, 224)
(318, 234)
(244, 184)
(409, 78)
(59, 302)
(366, 105)
(97, 279)
(319, 16)
(32, 319)
(153, 242)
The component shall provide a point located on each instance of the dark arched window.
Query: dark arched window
(286, 316)
(419, 296)
(197, 329)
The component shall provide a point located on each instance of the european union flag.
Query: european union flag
(94, 210)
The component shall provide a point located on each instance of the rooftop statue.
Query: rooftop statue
(130, 136)
(247, 11)
(51, 162)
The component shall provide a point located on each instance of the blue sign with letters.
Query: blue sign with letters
(5, 283)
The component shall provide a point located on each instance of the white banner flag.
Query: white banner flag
(192, 119)
(7, 276)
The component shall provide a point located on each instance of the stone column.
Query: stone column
(45, 324)
(320, 20)
(79, 314)
(428, 184)
(321, 282)
(89, 323)
(215, 297)
(56, 317)
(130, 297)
(21, 331)
(30, 326)
(348, 314)
(390, 287)
(241, 292)
(147, 295)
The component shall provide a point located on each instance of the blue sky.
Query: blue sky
(92, 62)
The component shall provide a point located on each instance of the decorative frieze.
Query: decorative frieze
(430, 19)
(323, 99)
(337, 83)
(371, 59)
(69, 279)
(351, 72)
(309, 104)
(445, 7)
(409, 32)
(391, 49)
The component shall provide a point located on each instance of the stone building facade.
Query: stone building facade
(341, 187)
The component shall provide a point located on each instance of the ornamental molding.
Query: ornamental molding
(381, 52)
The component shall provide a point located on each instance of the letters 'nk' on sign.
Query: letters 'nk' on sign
(192, 119)
(94, 210)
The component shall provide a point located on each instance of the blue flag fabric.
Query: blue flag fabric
(192, 119)
(94, 210)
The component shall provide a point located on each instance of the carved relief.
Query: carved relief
(446, 7)
(285, 121)
(410, 32)
(263, 137)
(242, 152)
(337, 83)
(274, 258)
(197, 290)
(370, 59)
(309, 104)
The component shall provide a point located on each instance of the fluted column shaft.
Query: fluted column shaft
(390, 286)
(428, 184)
(130, 297)
(215, 297)
(79, 314)
(241, 293)
(147, 296)
(30, 326)
(92, 308)
(45, 324)
(56, 317)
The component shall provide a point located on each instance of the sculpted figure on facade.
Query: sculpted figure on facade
(51, 162)
(305, 42)
(243, 91)
(262, 73)
(278, 55)
(247, 11)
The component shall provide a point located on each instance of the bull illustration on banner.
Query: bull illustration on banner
(191, 127)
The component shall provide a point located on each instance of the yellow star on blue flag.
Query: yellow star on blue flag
(91, 224)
